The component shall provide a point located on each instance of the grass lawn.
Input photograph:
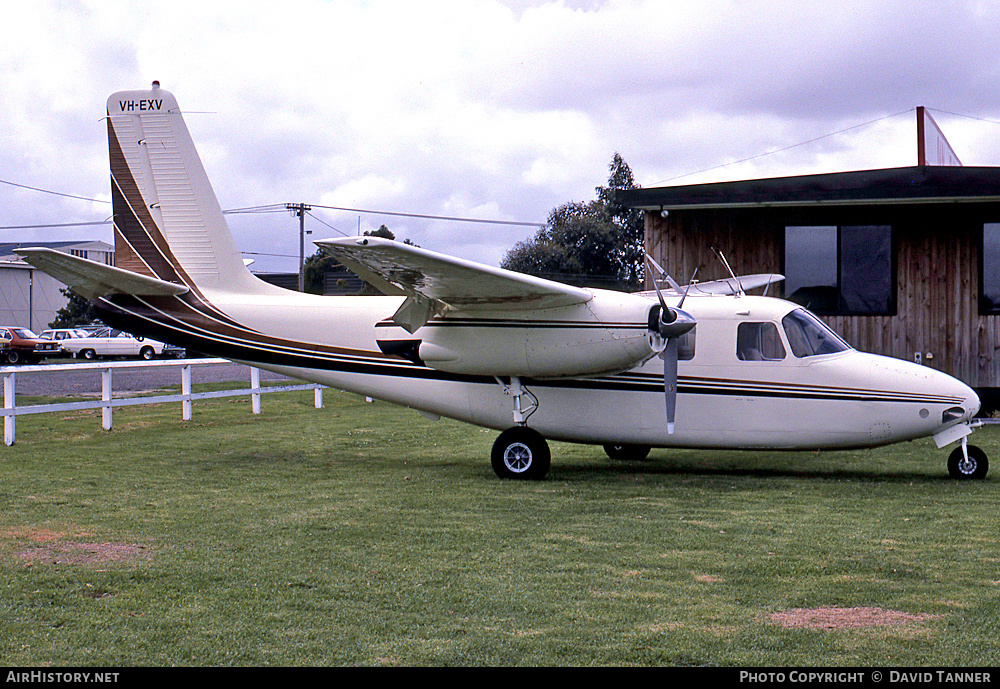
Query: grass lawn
(365, 534)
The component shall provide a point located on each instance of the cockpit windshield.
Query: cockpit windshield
(809, 336)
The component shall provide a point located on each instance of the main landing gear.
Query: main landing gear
(630, 453)
(520, 452)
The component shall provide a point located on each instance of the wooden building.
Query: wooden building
(903, 261)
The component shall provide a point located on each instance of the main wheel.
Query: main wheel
(627, 452)
(975, 467)
(521, 452)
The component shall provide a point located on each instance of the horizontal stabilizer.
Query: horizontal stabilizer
(91, 280)
(736, 285)
(728, 285)
(429, 276)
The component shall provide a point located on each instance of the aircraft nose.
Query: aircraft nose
(969, 406)
(971, 403)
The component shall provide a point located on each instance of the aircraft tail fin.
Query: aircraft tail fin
(168, 222)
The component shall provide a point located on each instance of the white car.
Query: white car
(110, 342)
(63, 333)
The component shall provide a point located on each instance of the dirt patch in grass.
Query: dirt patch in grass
(844, 618)
(46, 547)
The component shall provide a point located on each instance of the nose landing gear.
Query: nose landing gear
(967, 462)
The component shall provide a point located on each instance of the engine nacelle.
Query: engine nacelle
(607, 334)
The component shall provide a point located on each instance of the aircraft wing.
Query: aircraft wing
(91, 280)
(433, 281)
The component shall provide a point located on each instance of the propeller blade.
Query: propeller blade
(669, 356)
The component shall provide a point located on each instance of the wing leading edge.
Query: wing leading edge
(434, 283)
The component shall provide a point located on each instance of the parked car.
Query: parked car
(110, 342)
(62, 333)
(25, 346)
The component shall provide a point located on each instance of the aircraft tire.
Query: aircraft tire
(975, 468)
(521, 453)
(626, 452)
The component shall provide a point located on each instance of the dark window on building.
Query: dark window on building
(841, 270)
(989, 270)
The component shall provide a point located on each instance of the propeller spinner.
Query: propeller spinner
(670, 324)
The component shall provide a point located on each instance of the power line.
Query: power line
(787, 148)
(61, 224)
(270, 208)
(54, 193)
(433, 217)
(260, 253)
(323, 222)
(958, 114)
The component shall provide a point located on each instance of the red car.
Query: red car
(25, 346)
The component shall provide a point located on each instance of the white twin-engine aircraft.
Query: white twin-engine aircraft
(533, 358)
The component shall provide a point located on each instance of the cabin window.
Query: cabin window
(809, 336)
(989, 270)
(841, 269)
(758, 342)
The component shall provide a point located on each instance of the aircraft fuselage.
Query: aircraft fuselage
(727, 398)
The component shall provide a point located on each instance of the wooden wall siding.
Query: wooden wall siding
(682, 242)
(937, 255)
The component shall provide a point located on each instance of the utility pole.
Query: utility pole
(300, 210)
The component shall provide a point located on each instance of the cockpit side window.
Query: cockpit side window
(809, 336)
(759, 342)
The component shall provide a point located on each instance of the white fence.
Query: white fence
(108, 402)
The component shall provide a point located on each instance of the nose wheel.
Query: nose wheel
(968, 462)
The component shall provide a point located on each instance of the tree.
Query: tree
(314, 268)
(596, 243)
(317, 265)
(577, 246)
(78, 311)
(629, 221)
(382, 231)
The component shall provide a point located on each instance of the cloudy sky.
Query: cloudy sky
(489, 109)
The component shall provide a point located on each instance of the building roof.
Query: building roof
(901, 185)
(7, 249)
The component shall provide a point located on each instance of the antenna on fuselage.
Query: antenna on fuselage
(663, 274)
(740, 292)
